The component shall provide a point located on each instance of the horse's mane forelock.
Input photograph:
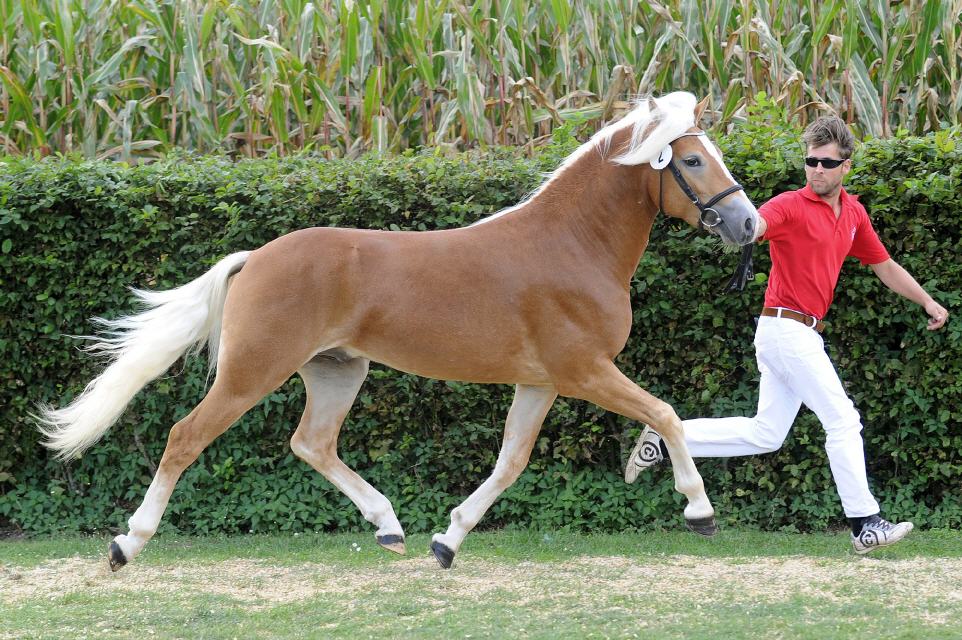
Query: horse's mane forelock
(652, 131)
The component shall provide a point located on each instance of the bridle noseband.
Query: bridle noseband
(708, 217)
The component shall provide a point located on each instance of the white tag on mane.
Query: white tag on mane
(664, 157)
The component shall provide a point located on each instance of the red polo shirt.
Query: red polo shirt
(808, 246)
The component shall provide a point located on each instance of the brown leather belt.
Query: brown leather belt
(809, 321)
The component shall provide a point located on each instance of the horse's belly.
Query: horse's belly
(464, 363)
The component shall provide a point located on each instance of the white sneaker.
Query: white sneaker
(878, 532)
(647, 453)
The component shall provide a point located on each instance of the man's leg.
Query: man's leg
(740, 436)
(814, 378)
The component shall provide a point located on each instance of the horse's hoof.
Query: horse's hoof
(116, 557)
(393, 543)
(443, 553)
(702, 526)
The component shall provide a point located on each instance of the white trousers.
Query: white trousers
(794, 369)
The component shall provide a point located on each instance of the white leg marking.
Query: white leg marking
(331, 389)
(611, 389)
(143, 524)
(689, 482)
(687, 479)
(530, 406)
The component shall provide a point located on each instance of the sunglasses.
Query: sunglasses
(827, 163)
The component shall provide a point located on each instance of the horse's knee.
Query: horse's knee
(300, 448)
(505, 474)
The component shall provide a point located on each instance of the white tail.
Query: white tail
(141, 347)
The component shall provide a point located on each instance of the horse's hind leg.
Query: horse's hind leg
(331, 388)
(223, 405)
(530, 406)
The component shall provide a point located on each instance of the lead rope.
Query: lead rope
(743, 272)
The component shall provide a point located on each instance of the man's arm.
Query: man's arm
(760, 229)
(901, 282)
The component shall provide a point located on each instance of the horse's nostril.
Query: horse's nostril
(748, 224)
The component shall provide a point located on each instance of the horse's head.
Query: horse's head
(684, 174)
(700, 190)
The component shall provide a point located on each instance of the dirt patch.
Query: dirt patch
(605, 582)
(250, 581)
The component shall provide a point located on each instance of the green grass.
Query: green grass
(507, 584)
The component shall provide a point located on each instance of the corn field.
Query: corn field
(129, 78)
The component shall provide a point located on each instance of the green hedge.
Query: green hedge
(74, 235)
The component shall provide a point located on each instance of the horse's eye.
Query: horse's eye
(693, 161)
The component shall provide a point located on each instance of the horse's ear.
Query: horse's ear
(700, 109)
(652, 105)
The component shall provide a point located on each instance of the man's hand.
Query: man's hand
(938, 316)
(901, 282)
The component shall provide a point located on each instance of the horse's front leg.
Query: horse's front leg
(608, 387)
(530, 406)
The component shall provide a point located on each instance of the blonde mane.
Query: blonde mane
(672, 116)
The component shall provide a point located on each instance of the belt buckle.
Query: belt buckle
(782, 312)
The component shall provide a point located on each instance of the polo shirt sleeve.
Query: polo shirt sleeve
(866, 245)
(778, 214)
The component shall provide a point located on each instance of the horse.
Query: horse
(536, 295)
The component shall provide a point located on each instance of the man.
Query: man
(810, 232)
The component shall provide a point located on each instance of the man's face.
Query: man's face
(826, 182)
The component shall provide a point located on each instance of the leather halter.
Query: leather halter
(708, 217)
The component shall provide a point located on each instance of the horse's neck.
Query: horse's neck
(597, 213)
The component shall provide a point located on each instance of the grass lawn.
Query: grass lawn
(504, 584)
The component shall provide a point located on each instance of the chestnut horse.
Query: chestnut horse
(536, 296)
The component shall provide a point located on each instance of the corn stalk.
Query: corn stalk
(128, 79)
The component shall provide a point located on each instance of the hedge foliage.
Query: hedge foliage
(74, 235)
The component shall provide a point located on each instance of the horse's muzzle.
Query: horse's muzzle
(734, 221)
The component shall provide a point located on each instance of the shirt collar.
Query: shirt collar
(844, 196)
